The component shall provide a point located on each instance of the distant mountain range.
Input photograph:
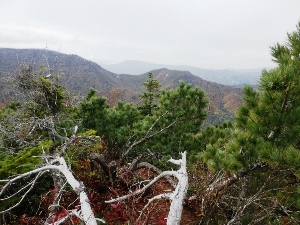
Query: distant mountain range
(226, 76)
(78, 75)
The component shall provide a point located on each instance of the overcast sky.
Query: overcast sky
(212, 34)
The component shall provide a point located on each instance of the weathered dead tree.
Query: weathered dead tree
(57, 166)
(177, 196)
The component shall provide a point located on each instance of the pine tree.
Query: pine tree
(263, 147)
(114, 125)
(179, 115)
(268, 123)
(149, 98)
(272, 114)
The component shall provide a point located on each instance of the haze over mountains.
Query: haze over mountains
(226, 76)
(78, 75)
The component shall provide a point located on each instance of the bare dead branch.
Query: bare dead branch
(177, 196)
(149, 134)
(157, 171)
(24, 195)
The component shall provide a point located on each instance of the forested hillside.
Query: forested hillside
(153, 162)
(223, 99)
(79, 75)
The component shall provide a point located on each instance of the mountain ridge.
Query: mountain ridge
(221, 76)
(79, 75)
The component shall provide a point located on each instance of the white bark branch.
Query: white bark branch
(85, 212)
(142, 190)
(157, 171)
(24, 195)
(177, 196)
(157, 197)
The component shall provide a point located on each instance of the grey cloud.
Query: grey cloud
(214, 34)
